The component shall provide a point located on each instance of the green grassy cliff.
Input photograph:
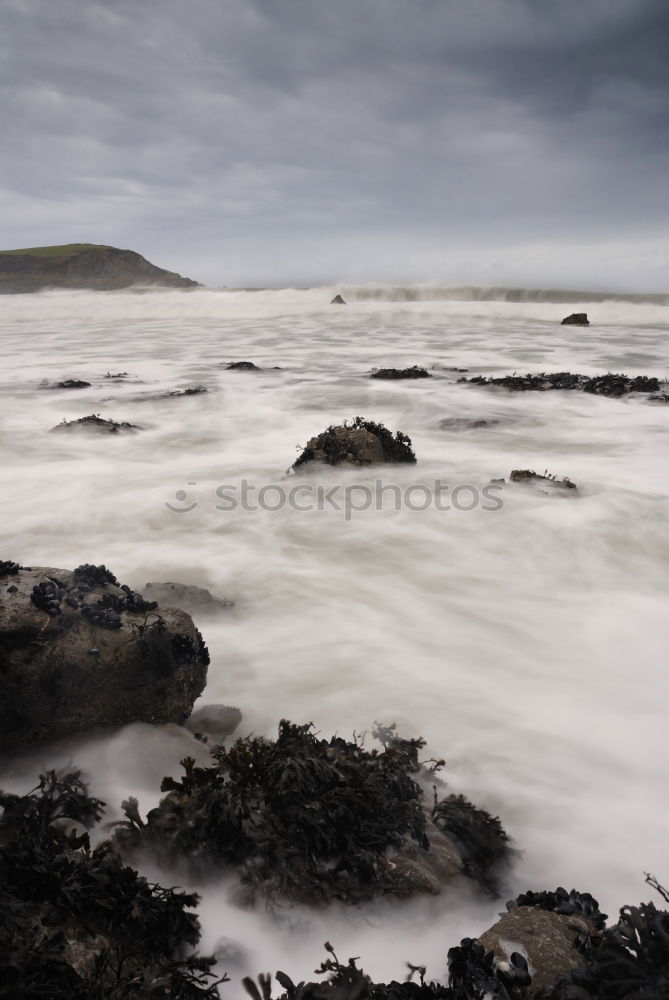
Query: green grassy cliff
(81, 265)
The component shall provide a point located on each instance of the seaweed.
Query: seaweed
(299, 817)
(480, 837)
(400, 373)
(601, 385)
(79, 924)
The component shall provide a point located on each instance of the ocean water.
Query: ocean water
(526, 644)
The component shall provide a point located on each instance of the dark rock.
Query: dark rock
(242, 366)
(576, 319)
(73, 383)
(214, 722)
(659, 397)
(193, 390)
(78, 652)
(96, 423)
(338, 300)
(307, 819)
(116, 375)
(531, 478)
(466, 423)
(399, 373)
(601, 385)
(361, 442)
(195, 600)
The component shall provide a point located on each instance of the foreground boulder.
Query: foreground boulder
(576, 319)
(362, 442)
(78, 652)
(314, 820)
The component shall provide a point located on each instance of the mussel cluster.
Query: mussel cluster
(185, 649)
(561, 901)
(8, 568)
(94, 576)
(97, 614)
(47, 596)
(135, 601)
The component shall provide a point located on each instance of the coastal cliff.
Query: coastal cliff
(81, 265)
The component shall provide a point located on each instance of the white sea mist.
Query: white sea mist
(527, 644)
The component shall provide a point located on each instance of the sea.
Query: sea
(524, 637)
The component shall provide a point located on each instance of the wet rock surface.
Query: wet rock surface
(79, 652)
(362, 442)
(96, 424)
(528, 477)
(194, 600)
(576, 319)
(600, 385)
(400, 373)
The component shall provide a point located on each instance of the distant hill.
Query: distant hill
(81, 265)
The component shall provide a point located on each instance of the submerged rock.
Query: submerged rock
(214, 722)
(529, 477)
(194, 600)
(576, 319)
(72, 383)
(338, 300)
(242, 366)
(79, 652)
(399, 373)
(362, 442)
(466, 423)
(659, 397)
(315, 820)
(96, 423)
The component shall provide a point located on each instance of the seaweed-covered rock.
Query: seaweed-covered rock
(399, 373)
(94, 422)
(242, 366)
(306, 819)
(78, 652)
(659, 397)
(338, 300)
(546, 482)
(196, 601)
(600, 385)
(73, 383)
(362, 442)
(78, 924)
(576, 319)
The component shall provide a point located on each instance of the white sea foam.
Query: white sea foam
(527, 645)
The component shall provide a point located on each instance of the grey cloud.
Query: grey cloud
(173, 125)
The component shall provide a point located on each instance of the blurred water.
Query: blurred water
(527, 645)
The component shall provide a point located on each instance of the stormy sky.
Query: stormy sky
(306, 141)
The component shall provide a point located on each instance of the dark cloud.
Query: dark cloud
(293, 139)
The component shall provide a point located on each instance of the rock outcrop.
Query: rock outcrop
(82, 265)
(79, 652)
(99, 425)
(611, 384)
(361, 442)
(399, 373)
(576, 319)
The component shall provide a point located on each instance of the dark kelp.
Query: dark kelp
(600, 385)
(307, 818)
(79, 924)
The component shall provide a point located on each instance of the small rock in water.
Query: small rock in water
(338, 300)
(399, 373)
(529, 477)
(73, 383)
(95, 422)
(576, 319)
(214, 721)
(466, 423)
(194, 600)
(242, 366)
(361, 442)
(600, 385)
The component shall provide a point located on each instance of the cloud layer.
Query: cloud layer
(272, 141)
